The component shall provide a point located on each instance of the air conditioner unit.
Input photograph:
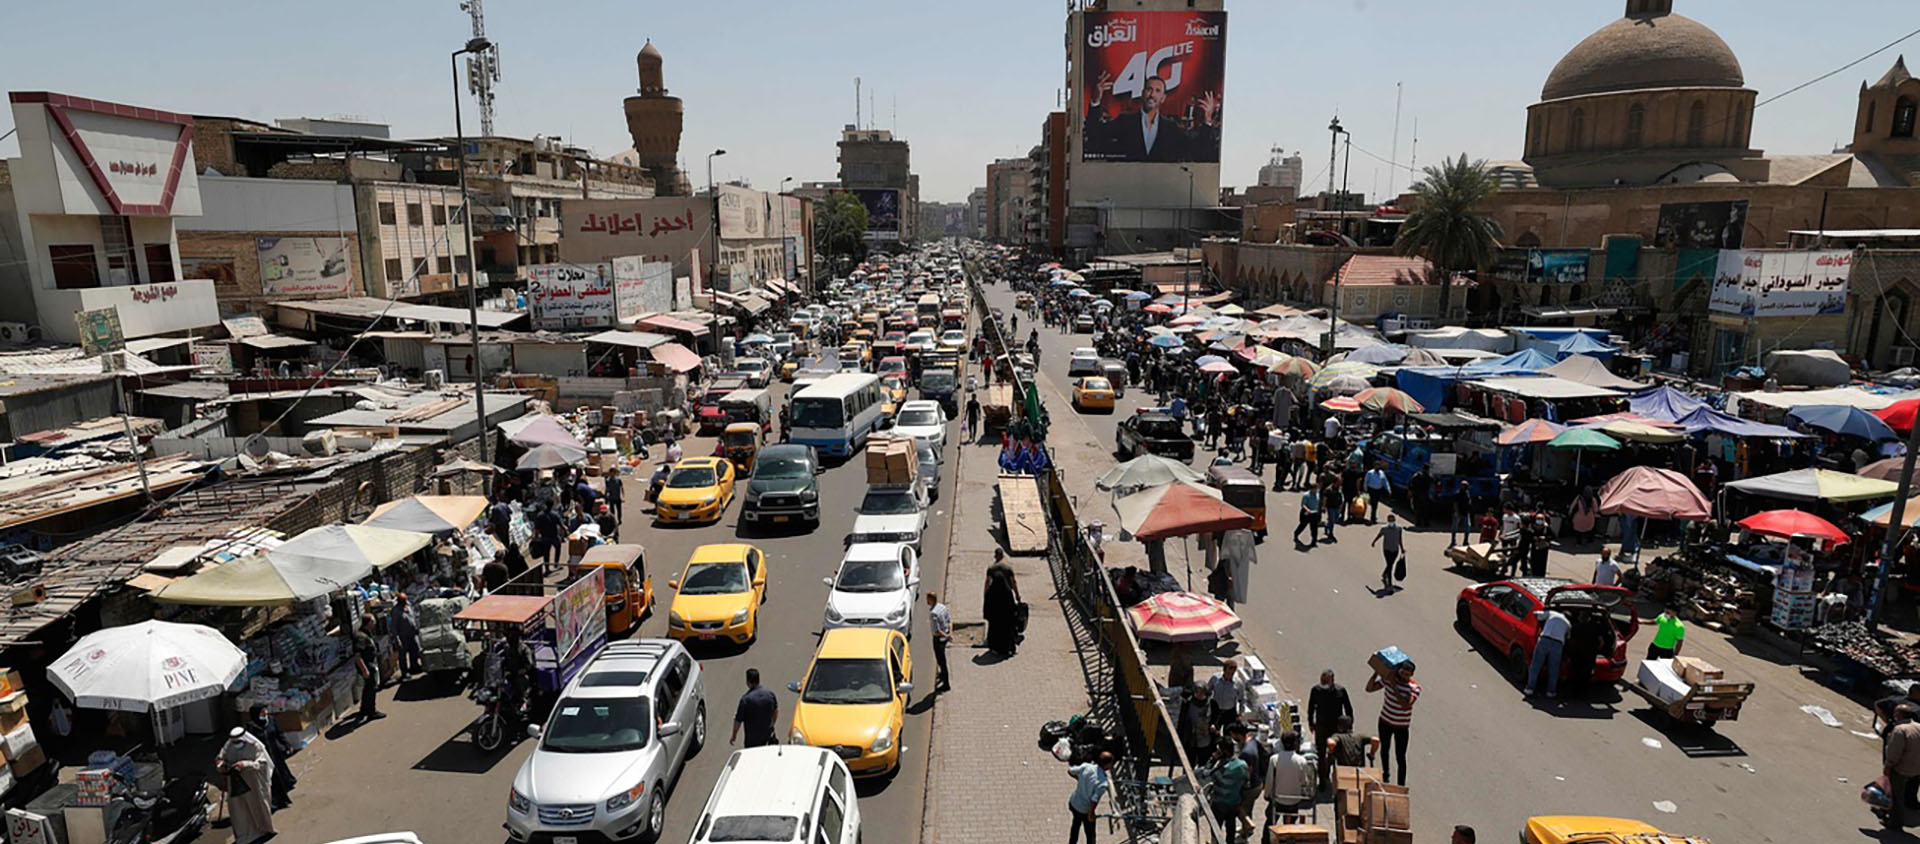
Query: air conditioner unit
(434, 378)
(1902, 355)
(13, 333)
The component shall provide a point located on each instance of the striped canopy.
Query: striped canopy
(1388, 400)
(1182, 617)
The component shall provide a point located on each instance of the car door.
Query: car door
(667, 699)
(757, 573)
(840, 786)
(910, 566)
(1490, 614)
(897, 659)
(832, 825)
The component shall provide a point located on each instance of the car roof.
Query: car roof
(621, 669)
(921, 404)
(884, 551)
(1153, 416)
(691, 462)
(777, 779)
(723, 552)
(855, 643)
(787, 450)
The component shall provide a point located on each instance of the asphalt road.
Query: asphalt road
(1480, 753)
(416, 770)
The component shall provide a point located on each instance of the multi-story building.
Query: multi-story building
(977, 212)
(877, 167)
(1012, 192)
(1279, 179)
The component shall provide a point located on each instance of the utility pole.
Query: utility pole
(1333, 314)
(714, 277)
(476, 46)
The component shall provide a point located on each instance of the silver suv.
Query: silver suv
(617, 739)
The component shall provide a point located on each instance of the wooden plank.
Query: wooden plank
(1025, 520)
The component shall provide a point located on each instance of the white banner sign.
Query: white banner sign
(567, 296)
(304, 266)
(1754, 283)
(641, 286)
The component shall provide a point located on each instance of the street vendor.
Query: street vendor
(1669, 634)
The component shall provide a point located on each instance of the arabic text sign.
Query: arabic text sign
(641, 285)
(1778, 283)
(304, 266)
(579, 615)
(564, 296)
(659, 229)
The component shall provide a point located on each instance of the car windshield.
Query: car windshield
(892, 502)
(740, 437)
(614, 579)
(1164, 428)
(782, 467)
(814, 412)
(940, 380)
(753, 828)
(919, 416)
(871, 576)
(848, 681)
(749, 365)
(714, 579)
(691, 477)
(1095, 384)
(597, 725)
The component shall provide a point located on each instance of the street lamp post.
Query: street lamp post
(713, 275)
(1333, 155)
(784, 196)
(1186, 274)
(476, 45)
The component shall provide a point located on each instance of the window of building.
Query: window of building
(414, 217)
(116, 236)
(454, 216)
(74, 267)
(386, 214)
(440, 264)
(394, 271)
(1577, 130)
(460, 264)
(439, 215)
(1697, 124)
(159, 262)
(1636, 124)
(1903, 117)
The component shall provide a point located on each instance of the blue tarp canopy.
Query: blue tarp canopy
(1523, 361)
(1665, 404)
(1584, 344)
(1704, 418)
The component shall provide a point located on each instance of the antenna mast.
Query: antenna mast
(483, 68)
(856, 104)
(1394, 157)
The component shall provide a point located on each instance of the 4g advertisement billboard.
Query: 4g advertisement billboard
(1151, 84)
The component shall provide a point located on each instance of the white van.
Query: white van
(786, 793)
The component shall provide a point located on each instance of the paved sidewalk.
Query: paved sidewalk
(987, 779)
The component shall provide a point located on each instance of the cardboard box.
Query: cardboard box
(18, 742)
(28, 762)
(1387, 660)
(891, 460)
(11, 682)
(1386, 807)
(1348, 778)
(1386, 836)
(1696, 671)
(1298, 833)
(13, 712)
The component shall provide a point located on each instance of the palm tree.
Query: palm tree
(1445, 229)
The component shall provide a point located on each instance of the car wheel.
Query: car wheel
(1518, 660)
(1462, 616)
(699, 730)
(656, 813)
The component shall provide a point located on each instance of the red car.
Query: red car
(1502, 613)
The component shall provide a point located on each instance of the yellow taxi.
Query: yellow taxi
(718, 595)
(788, 369)
(896, 387)
(697, 490)
(854, 699)
(1092, 392)
(1577, 829)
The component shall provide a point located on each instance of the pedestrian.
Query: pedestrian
(546, 535)
(249, 786)
(406, 637)
(756, 712)
(1461, 526)
(940, 621)
(1462, 834)
(1227, 691)
(1377, 489)
(1398, 694)
(1331, 429)
(1901, 759)
(1327, 704)
(616, 495)
(1292, 781)
(1389, 539)
(1347, 748)
(1226, 782)
(1541, 547)
(1282, 452)
(1335, 505)
(1090, 784)
(1195, 727)
(1254, 754)
(1606, 572)
(366, 661)
(1000, 604)
(261, 725)
(1670, 633)
(973, 418)
(1547, 650)
(1309, 519)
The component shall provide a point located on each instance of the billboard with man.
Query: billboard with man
(1151, 84)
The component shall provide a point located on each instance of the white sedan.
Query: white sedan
(1083, 361)
(953, 339)
(876, 587)
(923, 420)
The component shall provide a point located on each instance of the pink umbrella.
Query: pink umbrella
(1528, 432)
(1654, 494)
(1189, 319)
(1220, 367)
(1182, 617)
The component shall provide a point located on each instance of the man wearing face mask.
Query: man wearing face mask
(261, 725)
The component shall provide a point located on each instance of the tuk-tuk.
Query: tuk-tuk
(623, 569)
(1243, 490)
(740, 443)
(950, 320)
(753, 405)
(1116, 374)
(553, 620)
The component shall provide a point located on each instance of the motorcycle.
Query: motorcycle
(499, 718)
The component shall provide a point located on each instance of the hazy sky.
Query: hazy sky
(965, 82)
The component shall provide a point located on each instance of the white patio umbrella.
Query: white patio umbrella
(1145, 471)
(147, 666)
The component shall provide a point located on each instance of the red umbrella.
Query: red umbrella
(1180, 508)
(1899, 415)
(1787, 524)
(1182, 617)
(1654, 494)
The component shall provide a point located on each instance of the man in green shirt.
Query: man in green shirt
(1669, 634)
(1228, 775)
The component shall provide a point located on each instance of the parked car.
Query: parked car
(876, 586)
(718, 595)
(784, 487)
(617, 740)
(1152, 432)
(1501, 612)
(854, 698)
(781, 794)
(1574, 829)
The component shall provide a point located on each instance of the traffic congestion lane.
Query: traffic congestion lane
(790, 624)
(1773, 775)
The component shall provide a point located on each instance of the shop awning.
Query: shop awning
(146, 345)
(1546, 387)
(1815, 485)
(1849, 396)
(429, 513)
(1591, 372)
(676, 357)
(754, 304)
(630, 339)
(1664, 403)
(358, 544)
(675, 324)
(274, 341)
(262, 581)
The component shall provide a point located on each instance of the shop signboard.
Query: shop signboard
(668, 228)
(304, 266)
(1701, 225)
(100, 331)
(883, 212)
(1541, 266)
(579, 621)
(743, 212)
(1753, 283)
(217, 357)
(1151, 84)
(570, 296)
(641, 286)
